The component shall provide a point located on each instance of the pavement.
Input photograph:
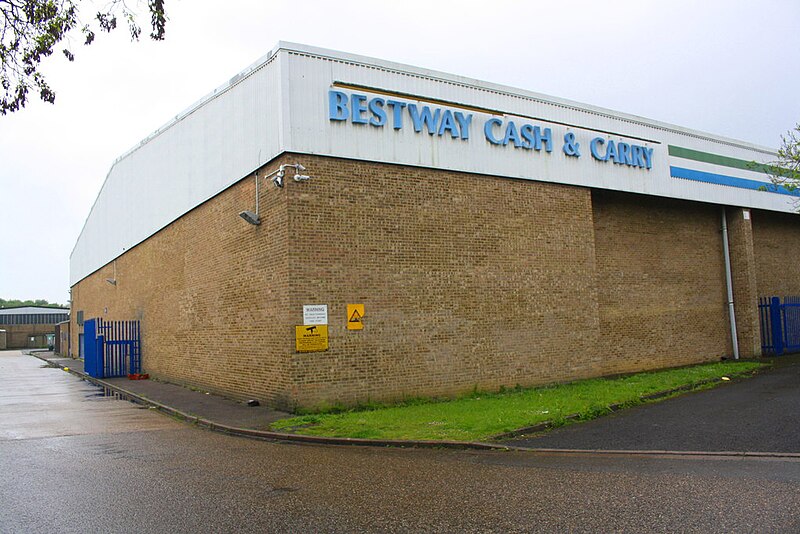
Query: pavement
(758, 416)
(226, 415)
(190, 402)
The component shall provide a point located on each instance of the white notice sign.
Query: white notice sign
(315, 314)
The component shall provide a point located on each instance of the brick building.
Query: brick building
(493, 236)
(61, 341)
(31, 327)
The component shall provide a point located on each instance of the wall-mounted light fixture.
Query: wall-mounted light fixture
(277, 179)
(250, 217)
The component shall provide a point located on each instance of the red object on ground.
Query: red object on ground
(138, 376)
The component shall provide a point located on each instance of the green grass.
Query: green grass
(479, 416)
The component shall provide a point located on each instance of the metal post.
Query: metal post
(256, 193)
(101, 357)
(777, 330)
(729, 283)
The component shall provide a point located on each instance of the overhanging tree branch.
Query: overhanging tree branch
(30, 30)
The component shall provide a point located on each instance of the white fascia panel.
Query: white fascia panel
(315, 72)
(281, 103)
(214, 144)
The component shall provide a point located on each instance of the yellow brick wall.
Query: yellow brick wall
(776, 238)
(211, 293)
(17, 335)
(661, 282)
(468, 281)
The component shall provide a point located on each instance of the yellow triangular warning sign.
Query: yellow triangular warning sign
(355, 316)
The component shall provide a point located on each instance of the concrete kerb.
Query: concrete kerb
(634, 452)
(426, 444)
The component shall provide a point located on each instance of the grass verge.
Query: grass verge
(480, 416)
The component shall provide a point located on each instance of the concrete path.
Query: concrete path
(759, 414)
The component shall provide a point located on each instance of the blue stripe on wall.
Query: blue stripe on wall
(732, 181)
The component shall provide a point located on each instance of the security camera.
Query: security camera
(279, 175)
(278, 178)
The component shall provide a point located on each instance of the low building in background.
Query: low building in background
(331, 228)
(31, 327)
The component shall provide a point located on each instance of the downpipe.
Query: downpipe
(729, 283)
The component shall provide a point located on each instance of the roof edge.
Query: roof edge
(29, 306)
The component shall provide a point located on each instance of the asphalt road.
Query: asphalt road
(758, 414)
(74, 461)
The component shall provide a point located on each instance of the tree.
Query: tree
(30, 30)
(785, 172)
(14, 303)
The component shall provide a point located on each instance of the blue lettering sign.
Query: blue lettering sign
(621, 153)
(463, 124)
(448, 124)
(541, 136)
(571, 146)
(357, 108)
(636, 156)
(611, 151)
(526, 136)
(512, 135)
(594, 146)
(424, 117)
(378, 113)
(624, 153)
(487, 130)
(648, 156)
(397, 113)
(337, 106)
(528, 139)
(360, 109)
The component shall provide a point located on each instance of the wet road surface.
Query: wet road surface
(72, 461)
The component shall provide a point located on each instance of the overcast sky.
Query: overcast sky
(725, 67)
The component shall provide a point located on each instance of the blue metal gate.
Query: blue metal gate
(780, 325)
(112, 348)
